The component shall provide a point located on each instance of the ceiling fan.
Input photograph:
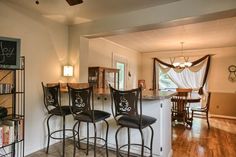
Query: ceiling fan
(70, 2)
(74, 2)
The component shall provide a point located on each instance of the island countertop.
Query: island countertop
(157, 95)
(146, 94)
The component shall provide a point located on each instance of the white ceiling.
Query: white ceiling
(59, 10)
(210, 34)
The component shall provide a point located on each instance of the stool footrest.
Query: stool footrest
(84, 139)
(61, 130)
(121, 153)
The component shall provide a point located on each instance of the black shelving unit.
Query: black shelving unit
(12, 97)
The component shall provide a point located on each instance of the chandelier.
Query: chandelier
(181, 61)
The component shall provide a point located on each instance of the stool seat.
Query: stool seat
(87, 116)
(134, 121)
(63, 110)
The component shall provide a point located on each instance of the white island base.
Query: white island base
(155, 104)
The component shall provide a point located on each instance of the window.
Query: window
(121, 66)
(165, 82)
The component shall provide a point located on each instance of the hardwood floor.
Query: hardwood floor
(219, 141)
(56, 149)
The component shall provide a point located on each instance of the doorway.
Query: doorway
(122, 67)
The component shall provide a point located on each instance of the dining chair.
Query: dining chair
(180, 111)
(204, 109)
(188, 90)
(189, 96)
(81, 102)
(127, 111)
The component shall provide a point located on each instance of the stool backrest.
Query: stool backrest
(52, 96)
(126, 102)
(80, 100)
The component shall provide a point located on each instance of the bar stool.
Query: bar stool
(83, 111)
(52, 102)
(125, 111)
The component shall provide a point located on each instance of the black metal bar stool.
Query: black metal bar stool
(52, 102)
(83, 111)
(125, 111)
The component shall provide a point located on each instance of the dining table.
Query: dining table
(192, 98)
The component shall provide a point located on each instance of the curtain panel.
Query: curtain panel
(194, 76)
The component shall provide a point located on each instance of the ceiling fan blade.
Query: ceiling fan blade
(74, 2)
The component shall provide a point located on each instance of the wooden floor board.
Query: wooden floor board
(218, 141)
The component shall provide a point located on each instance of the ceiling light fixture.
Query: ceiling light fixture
(182, 60)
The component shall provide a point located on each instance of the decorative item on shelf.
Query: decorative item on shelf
(5, 88)
(142, 84)
(183, 61)
(232, 73)
(3, 112)
(68, 70)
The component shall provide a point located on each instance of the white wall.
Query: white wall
(101, 53)
(218, 74)
(149, 18)
(44, 44)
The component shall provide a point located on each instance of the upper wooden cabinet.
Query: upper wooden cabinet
(101, 77)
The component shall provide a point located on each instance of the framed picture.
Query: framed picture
(9, 53)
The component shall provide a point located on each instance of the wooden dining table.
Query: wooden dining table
(190, 99)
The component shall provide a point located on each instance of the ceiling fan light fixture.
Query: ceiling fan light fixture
(37, 2)
(176, 64)
(187, 64)
(74, 2)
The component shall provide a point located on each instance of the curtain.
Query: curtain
(187, 77)
(192, 77)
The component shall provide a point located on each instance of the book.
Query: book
(11, 130)
(20, 129)
(6, 134)
(1, 136)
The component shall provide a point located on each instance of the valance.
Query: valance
(196, 66)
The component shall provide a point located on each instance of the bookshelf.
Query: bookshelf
(12, 110)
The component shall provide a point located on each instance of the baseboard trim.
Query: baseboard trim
(221, 116)
(170, 153)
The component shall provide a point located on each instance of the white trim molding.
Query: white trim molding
(170, 153)
(222, 116)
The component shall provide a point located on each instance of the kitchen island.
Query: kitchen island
(156, 104)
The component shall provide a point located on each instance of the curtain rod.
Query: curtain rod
(165, 57)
